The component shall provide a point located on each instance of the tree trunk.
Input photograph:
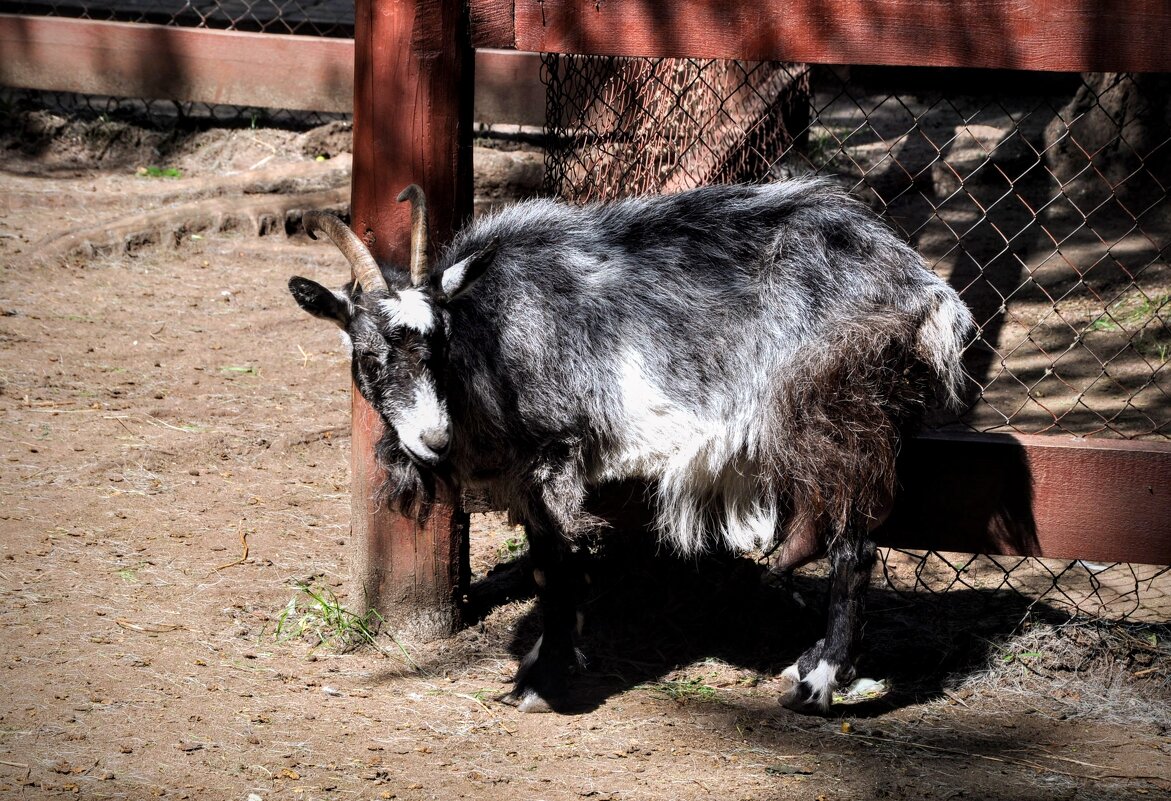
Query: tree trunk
(1113, 136)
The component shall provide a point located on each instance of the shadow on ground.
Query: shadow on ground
(648, 613)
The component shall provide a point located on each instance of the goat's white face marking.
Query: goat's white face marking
(347, 343)
(423, 423)
(409, 308)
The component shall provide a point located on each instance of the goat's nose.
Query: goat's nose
(437, 439)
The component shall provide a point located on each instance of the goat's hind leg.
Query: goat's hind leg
(830, 663)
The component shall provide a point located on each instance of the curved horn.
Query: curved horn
(362, 264)
(419, 233)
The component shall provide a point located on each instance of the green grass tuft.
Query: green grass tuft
(682, 690)
(318, 615)
(512, 547)
(158, 172)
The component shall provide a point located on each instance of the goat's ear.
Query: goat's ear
(457, 278)
(319, 301)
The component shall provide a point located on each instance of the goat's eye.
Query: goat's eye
(369, 360)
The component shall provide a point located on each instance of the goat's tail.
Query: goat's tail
(941, 339)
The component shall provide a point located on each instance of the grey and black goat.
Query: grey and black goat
(755, 353)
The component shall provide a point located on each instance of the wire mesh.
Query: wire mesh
(301, 17)
(1042, 198)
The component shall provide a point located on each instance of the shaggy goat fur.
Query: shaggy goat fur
(755, 353)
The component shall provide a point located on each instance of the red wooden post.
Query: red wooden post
(413, 83)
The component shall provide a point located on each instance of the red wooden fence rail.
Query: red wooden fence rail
(122, 59)
(1055, 35)
(132, 60)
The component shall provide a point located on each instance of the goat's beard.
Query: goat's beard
(409, 489)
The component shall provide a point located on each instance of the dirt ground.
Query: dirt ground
(175, 475)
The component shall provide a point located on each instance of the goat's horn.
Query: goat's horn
(362, 264)
(419, 233)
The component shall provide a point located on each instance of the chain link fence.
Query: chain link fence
(300, 17)
(24, 108)
(332, 18)
(1042, 198)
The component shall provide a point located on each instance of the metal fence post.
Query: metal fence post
(413, 88)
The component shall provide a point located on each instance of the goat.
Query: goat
(756, 353)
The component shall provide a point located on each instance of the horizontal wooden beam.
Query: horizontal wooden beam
(1012, 495)
(185, 64)
(1053, 496)
(122, 59)
(1055, 35)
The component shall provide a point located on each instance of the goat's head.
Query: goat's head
(396, 324)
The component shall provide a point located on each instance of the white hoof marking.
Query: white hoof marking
(822, 680)
(531, 702)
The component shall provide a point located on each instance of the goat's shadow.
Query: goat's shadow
(648, 613)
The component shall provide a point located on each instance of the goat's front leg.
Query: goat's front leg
(830, 663)
(542, 680)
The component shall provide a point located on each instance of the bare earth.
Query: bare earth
(175, 469)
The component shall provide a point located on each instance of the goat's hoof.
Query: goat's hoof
(811, 694)
(526, 700)
(531, 701)
(800, 699)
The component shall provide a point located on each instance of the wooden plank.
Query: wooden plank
(1053, 496)
(187, 64)
(412, 124)
(135, 60)
(1077, 36)
(492, 24)
(509, 89)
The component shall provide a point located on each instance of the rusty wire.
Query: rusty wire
(161, 114)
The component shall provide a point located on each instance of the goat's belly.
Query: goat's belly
(704, 490)
(708, 484)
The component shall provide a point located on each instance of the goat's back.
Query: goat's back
(670, 337)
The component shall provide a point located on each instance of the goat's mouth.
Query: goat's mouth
(422, 457)
(426, 448)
